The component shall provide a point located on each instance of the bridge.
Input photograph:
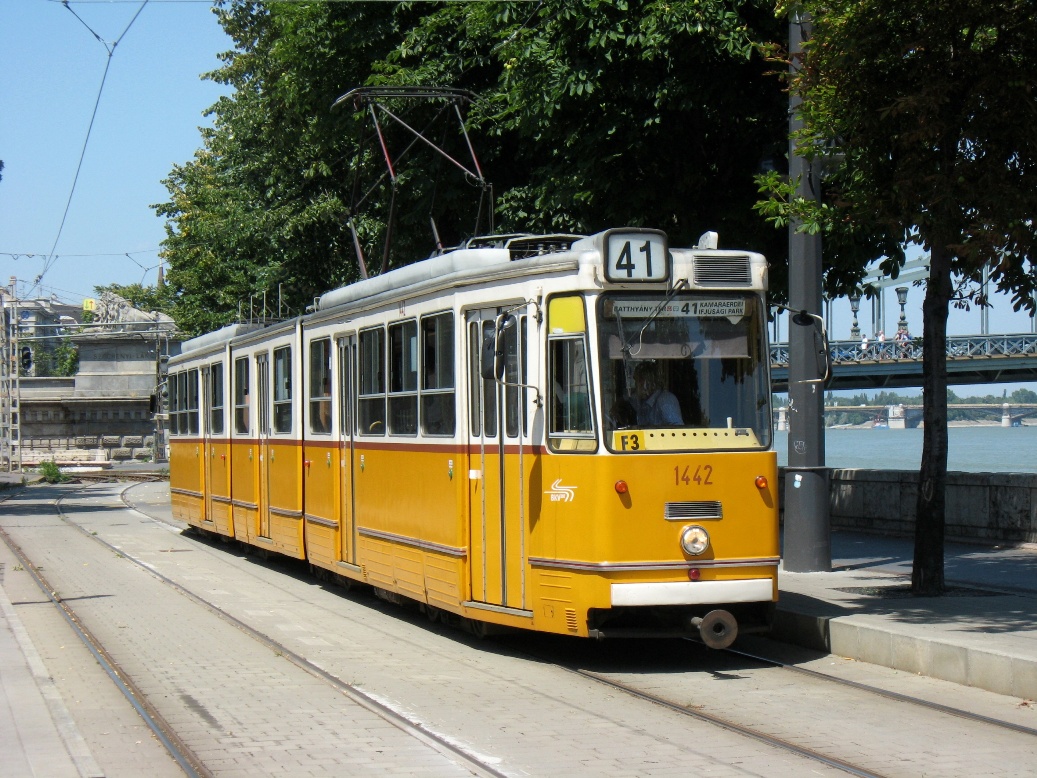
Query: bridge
(910, 416)
(972, 359)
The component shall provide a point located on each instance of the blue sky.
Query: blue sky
(147, 120)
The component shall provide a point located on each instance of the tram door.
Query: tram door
(263, 442)
(347, 402)
(496, 483)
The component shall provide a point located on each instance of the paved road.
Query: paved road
(244, 708)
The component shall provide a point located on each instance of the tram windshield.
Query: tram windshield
(691, 364)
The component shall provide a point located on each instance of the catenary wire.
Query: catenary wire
(51, 258)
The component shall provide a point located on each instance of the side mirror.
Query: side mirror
(823, 349)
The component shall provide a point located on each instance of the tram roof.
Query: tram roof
(474, 262)
(220, 336)
(480, 259)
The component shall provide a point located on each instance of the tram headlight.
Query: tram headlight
(694, 540)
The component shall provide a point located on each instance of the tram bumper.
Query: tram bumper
(714, 612)
(692, 592)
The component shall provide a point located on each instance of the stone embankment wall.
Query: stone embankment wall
(88, 449)
(981, 507)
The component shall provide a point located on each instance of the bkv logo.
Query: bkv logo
(561, 493)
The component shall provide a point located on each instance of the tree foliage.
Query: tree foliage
(931, 107)
(588, 114)
(53, 360)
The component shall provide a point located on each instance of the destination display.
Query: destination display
(703, 307)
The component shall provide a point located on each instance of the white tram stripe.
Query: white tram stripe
(692, 592)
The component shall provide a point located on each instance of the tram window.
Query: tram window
(371, 406)
(489, 389)
(182, 380)
(283, 389)
(570, 406)
(346, 356)
(241, 396)
(174, 416)
(403, 378)
(216, 399)
(514, 375)
(474, 377)
(180, 423)
(192, 401)
(320, 386)
(438, 416)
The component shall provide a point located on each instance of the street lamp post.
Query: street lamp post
(855, 305)
(902, 299)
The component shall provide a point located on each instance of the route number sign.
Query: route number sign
(636, 256)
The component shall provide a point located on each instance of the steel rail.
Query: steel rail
(720, 721)
(177, 749)
(699, 715)
(891, 695)
(416, 730)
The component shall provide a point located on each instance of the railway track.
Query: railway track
(109, 476)
(190, 762)
(888, 694)
(181, 754)
(447, 746)
(701, 711)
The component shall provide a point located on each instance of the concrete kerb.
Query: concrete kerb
(12, 480)
(935, 657)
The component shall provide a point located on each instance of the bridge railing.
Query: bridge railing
(958, 347)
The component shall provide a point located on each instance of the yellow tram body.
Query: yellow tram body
(487, 433)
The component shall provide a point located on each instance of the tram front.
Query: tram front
(661, 504)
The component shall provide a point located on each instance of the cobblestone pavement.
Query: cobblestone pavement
(244, 709)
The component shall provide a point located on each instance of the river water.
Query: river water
(978, 449)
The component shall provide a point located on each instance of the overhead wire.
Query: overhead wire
(34, 255)
(51, 258)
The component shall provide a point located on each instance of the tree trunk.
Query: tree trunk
(927, 572)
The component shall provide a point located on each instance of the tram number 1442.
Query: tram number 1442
(701, 476)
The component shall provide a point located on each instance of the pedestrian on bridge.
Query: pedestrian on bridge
(902, 338)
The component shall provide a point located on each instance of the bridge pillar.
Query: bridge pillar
(783, 419)
(1006, 415)
(897, 419)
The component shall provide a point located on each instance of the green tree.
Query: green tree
(932, 105)
(66, 358)
(596, 113)
(589, 114)
(1024, 396)
(257, 220)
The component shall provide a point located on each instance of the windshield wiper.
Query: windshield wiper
(681, 284)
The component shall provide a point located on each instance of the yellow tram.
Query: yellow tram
(558, 433)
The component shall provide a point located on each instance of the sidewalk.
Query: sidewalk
(982, 633)
(37, 734)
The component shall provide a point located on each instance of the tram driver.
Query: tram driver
(656, 406)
